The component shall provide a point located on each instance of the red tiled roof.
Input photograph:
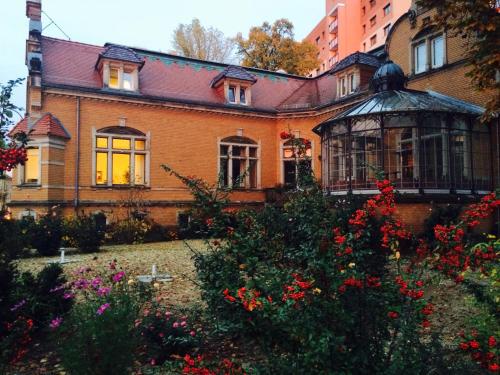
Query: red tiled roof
(169, 77)
(48, 124)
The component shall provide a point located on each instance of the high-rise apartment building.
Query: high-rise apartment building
(353, 25)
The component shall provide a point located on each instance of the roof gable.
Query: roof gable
(48, 124)
(233, 72)
(120, 53)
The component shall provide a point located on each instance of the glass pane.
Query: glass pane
(101, 168)
(289, 172)
(102, 142)
(121, 169)
(243, 98)
(481, 158)
(224, 173)
(420, 58)
(224, 150)
(113, 78)
(288, 153)
(253, 152)
(460, 159)
(437, 52)
(435, 163)
(238, 151)
(32, 166)
(231, 94)
(127, 81)
(139, 169)
(239, 169)
(140, 145)
(401, 157)
(366, 157)
(364, 124)
(252, 174)
(121, 144)
(337, 165)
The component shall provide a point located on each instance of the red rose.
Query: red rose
(493, 367)
(426, 323)
(285, 135)
(393, 315)
(463, 346)
(492, 342)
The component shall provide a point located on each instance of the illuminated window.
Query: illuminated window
(295, 162)
(32, 166)
(239, 162)
(120, 159)
(113, 78)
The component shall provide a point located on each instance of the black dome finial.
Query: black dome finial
(389, 76)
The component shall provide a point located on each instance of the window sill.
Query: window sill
(29, 186)
(120, 187)
(428, 72)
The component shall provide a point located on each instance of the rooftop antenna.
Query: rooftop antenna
(52, 22)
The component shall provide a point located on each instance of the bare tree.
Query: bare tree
(196, 41)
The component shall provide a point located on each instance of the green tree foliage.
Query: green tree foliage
(478, 22)
(273, 47)
(196, 41)
(7, 108)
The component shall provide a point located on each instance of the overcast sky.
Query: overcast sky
(146, 23)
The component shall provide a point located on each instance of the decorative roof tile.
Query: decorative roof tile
(234, 72)
(48, 124)
(357, 58)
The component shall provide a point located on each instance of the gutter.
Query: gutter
(77, 157)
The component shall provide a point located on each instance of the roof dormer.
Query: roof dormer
(235, 84)
(119, 67)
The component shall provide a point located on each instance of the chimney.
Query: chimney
(34, 61)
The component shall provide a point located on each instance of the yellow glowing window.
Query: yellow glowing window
(101, 168)
(32, 166)
(288, 153)
(140, 145)
(140, 168)
(102, 142)
(113, 78)
(121, 144)
(121, 169)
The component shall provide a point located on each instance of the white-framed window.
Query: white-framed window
(238, 94)
(420, 53)
(343, 86)
(352, 83)
(120, 157)
(28, 213)
(293, 163)
(437, 51)
(31, 171)
(239, 162)
(121, 77)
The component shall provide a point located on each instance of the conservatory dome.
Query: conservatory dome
(424, 142)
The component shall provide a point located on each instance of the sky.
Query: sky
(147, 23)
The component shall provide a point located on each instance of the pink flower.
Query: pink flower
(183, 323)
(55, 323)
(104, 291)
(192, 333)
(81, 284)
(175, 325)
(168, 314)
(96, 282)
(102, 308)
(118, 276)
(68, 295)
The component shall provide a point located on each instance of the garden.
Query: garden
(310, 285)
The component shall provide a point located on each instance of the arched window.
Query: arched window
(293, 163)
(120, 157)
(239, 162)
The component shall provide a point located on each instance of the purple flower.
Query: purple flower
(96, 282)
(118, 276)
(102, 308)
(68, 295)
(18, 305)
(55, 323)
(57, 288)
(103, 291)
(81, 284)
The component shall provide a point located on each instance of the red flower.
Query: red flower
(474, 344)
(393, 314)
(492, 342)
(493, 367)
(464, 346)
(284, 135)
(426, 323)
(419, 283)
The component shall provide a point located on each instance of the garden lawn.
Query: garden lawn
(172, 257)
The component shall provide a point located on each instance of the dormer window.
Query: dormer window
(119, 67)
(234, 84)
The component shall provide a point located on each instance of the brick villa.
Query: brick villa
(102, 120)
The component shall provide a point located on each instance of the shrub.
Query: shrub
(130, 231)
(166, 333)
(99, 334)
(47, 234)
(85, 232)
(323, 287)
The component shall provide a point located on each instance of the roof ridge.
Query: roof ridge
(72, 42)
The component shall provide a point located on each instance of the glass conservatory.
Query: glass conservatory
(424, 142)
